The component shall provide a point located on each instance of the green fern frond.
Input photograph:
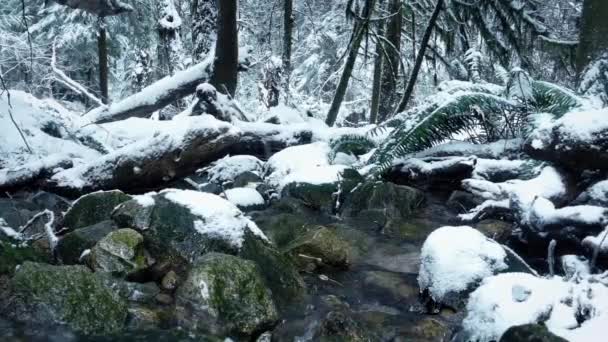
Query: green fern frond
(465, 113)
(350, 144)
(551, 98)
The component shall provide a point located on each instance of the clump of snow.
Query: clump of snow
(317, 175)
(284, 114)
(8, 231)
(484, 168)
(583, 125)
(228, 168)
(218, 217)
(145, 200)
(455, 259)
(597, 194)
(496, 149)
(293, 159)
(244, 197)
(576, 311)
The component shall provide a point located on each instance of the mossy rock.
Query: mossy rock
(319, 197)
(120, 252)
(71, 246)
(413, 229)
(320, 247)
(70, 295)
(277, 269)
(530, 333)
(381, 202)
(224, 294)
(339, 325)
(282, 228)
(14, 254)
(93, 208)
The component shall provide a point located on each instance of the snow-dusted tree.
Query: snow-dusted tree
(225, 67)
(288, 22)
(170, 49)
(272, 79)
(204, 22)
(593, 42)
(392, 53)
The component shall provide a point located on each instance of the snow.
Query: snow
(484, 168)
(460, 148)
(286, 115)
(411, 164)
(582, 125)
(543, 213)
(228, 168)
(293, 159)
(244, 197)
(496, 306)
(597, 194)
(218, 217)
(454, 259)
(34, 117)
(316, 175)
(175, 134)
(145, 200)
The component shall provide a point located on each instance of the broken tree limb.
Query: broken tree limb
(186, 145)
(70, 83)
(154, 97)
(98, 7)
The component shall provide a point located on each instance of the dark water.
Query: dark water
(379, 292)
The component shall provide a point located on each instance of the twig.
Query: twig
(10, 111)
(551, 257)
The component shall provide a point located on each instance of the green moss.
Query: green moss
(315, 196)
(12, 255)
(70, 295)
(322, 243)
(93, 208)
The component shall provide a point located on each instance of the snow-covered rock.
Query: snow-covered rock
(576, 311)
(454, 260)
(294, 159)
(245, 198)
(576, 140)
(229, 168)
(597, 194)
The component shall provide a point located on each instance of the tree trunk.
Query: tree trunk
(593, 41)
(359, 31)
(420, 58)
(102, 53)
(390, 71)
(204, 23)
(170, 49)
(288, 21)
(225, 67)
(378, 65)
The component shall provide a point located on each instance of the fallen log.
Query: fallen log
(186, 145)
(155, 96)
(30, 173)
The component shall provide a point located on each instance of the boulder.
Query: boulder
(530, 333)
(120, 252)
(224, 294)
(315, 196)
(246, 199)
(339, 325)
(71, 246)
(93, 208)
(14, 254)
(320, 247)
(382, 204)
(70, 295)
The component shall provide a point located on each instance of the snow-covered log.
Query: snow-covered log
(186, 144)
(97, 7)
(430, 171)
(31, 172)
(155, 96)
(579, 140)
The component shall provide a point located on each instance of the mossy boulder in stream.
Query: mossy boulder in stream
(320, 247)
(93, 208)
(70, 295)
(316, 196)
(72, 245)
(224, 294)
(382, 203)
(120, 252)
(14, 254)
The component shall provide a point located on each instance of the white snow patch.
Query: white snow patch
(218, 217)
(228, 168)
(455, 258)
(145, 200)
(244, 197)
(295, 158)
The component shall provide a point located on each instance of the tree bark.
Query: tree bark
(359, 31)
(288, 22)
(225, 67)
(204, 24)
(102, 53)
(378, 65)
(420, 58)
(390, 71)
(593, 41)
